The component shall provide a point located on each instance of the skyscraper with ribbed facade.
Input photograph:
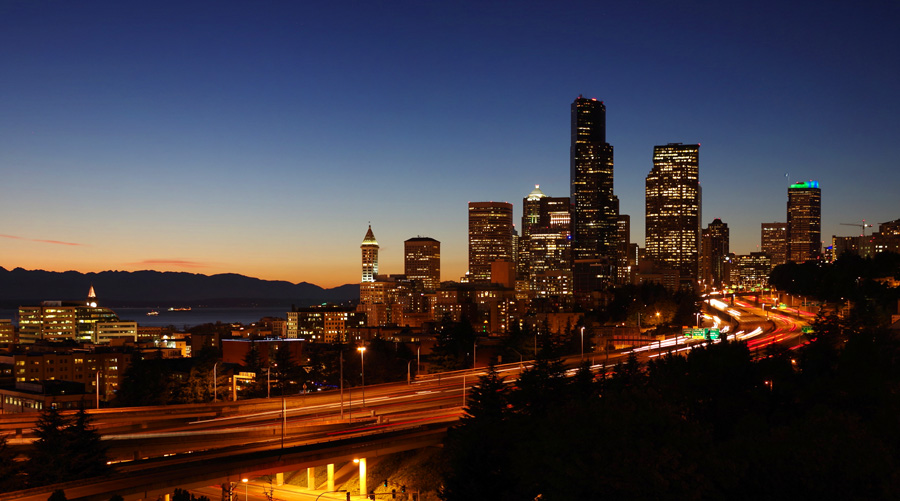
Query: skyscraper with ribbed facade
(422, 262)
(673, 209)
(804, 222)
(595, 207)
(490, 237)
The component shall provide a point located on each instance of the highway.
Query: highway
(149, 443)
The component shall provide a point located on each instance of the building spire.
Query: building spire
(369, 256)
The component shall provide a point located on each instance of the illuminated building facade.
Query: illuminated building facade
(713, 252)
(773, 242)
(369, 249)
(804, 222)
(63, 320)
(490, 237)
(546, 256)
(422, 262)
(595, 207)
(80, 367)
(673, 209)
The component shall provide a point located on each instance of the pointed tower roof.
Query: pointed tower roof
(91, 293)
(370, 238)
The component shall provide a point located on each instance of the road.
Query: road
(146, 439)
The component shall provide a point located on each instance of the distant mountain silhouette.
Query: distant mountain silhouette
(152, 288)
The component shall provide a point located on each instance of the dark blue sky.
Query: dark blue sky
(262, 137)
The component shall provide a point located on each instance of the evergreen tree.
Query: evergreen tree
(48, 461)
(9, 468)
(87, 453)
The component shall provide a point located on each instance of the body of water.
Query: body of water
(182, 319)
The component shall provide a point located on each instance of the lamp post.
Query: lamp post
(246, 488)
(582, 342)
(215, 386)
(98, 388)
(408, 373)
(362, 364)
(342, 383)
(520, 358)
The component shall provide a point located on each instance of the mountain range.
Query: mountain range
(148, 288)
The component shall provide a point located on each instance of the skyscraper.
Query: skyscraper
(713, 251)
(422, 261)
(545, 257)
(773, 242)
(596, 208)
(369, 256)
(490, 237)
(804, 221)
(673, 208)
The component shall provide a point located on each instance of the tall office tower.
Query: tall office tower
(369, 256)
(673, 208)
(623, 241)
(548, 245)
(773, 242)
(422, 261)
(804, 222)
(596, 208)
(531, 213)
(713, 251)
(490, 237)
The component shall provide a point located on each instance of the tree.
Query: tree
(48, 461)
(87, 453)
(66, 449)
(57, 495)
(10, 469)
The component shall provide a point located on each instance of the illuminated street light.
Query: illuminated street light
(582, 342)
(362, 364)
(246, 489)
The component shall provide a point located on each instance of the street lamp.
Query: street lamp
(582, 342)
(362, 364)
(246, 489)
(98, 388)
(215, 386)
(520, 357)
(342, 383)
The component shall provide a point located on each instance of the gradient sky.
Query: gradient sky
(261, 137)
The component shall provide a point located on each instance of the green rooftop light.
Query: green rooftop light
(806, 184)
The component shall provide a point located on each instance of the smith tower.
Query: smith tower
(595, 207)
(369, 256)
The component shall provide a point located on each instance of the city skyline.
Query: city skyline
(261, 141)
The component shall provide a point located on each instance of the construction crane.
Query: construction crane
(862, 225)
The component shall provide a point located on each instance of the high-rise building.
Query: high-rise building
(673, 209)
(623, 225)
(773, 242)
(490, 237)
(422, 262)
(804, 222)
(545, 257)
(369, 256)
(595, 207)
(713, 252)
